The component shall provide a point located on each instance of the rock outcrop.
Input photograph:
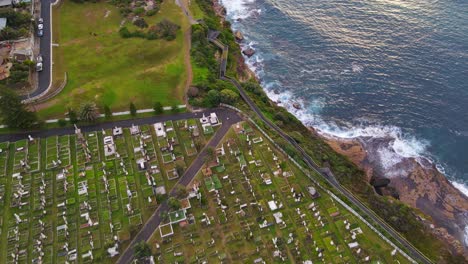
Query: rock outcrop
(249, 52)
(238, 35)
(417, 183)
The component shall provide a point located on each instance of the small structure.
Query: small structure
(272, 205)
(3, 22)
(160, 131)
(117, 131)
(5, 3)
(109, 147)
(214, 119)
(134, 130)
(353, 244)
(313, 192)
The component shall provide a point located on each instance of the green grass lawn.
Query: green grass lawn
(107, 69)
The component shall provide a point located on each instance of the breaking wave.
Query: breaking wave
(239, 9)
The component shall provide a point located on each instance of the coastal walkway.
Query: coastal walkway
(326, 173)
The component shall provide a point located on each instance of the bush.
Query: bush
(72, 116)
(175, 108)
(152, 12)
(165, 29)
(158, 108)
(62, 122)
(133, 110)
(138, 11)
(228, 96)
(140, 22)
(107, 112)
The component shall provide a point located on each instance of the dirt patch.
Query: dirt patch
(108, 12)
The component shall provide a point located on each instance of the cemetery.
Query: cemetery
(81, 198)
(249, 204)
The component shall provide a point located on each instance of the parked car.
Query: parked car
(40, 32)
(39, 58)
(39, 66)
(40, 21)
(40, 26)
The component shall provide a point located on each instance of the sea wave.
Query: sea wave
(401, 145)
(239, 9)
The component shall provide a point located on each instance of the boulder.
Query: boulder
(239, 35)
(296, 105)
(249, 52)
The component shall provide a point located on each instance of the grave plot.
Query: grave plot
(4, 150)
(250, 204)
(89, 234)
(87, 148)
(191, 137)
(18, 226)
(52, 152)
(33, 158)
(42, 233)
(20, 155)
(115, 145)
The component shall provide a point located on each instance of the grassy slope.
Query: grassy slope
(107, 69)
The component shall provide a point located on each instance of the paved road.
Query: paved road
(152, 224)
(45, 50)
(326, 173)
(224, 115)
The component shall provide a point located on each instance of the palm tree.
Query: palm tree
(89, 112)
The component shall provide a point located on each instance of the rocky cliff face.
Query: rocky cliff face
(415, 182)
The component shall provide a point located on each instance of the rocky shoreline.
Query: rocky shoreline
(416, 183)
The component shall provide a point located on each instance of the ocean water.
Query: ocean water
(393, 69)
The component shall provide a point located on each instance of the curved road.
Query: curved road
(326, 173)
(44, 77)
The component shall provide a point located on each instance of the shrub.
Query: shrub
(158, 108)
(62, 122)
(107, 112)
(133, 110)
(140, 22)
(138, 11)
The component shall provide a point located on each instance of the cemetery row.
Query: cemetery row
(249, 204)
(80, 198)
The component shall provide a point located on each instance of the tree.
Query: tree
(13, 113)
(193, 92)
(158, 108)
(72, 116)
(142, 250)
(212, 98)
(107, 112)
(228, 96)
(89, 112)
(175, 108)
(173, 203)
(133, 110)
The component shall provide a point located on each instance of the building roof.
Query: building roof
(5, 3)
(3, 22)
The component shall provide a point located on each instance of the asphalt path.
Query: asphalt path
(223, 114)
(152, 224)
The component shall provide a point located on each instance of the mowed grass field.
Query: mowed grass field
(109, 70)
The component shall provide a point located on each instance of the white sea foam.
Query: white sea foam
(238, 9)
